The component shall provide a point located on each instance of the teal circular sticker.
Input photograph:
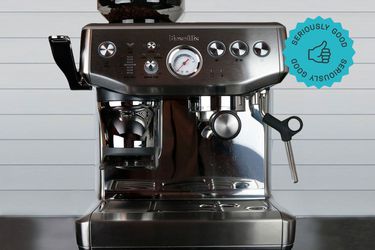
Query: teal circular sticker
(319, 52)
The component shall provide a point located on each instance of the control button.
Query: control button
(261, 49)
(151, 45)
(216, 49)
(107, 49)
(239, 49)
(151, 67)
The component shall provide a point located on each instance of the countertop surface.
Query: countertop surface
(354, 233)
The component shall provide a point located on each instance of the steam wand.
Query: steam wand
(257, 102)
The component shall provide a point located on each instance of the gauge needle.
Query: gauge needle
(183, 64)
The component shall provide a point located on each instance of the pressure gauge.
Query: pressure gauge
(184, 61)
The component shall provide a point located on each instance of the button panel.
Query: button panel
(184, 59)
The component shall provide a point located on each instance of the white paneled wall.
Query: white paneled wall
(48, 134)
(49, 139)
(334, 152)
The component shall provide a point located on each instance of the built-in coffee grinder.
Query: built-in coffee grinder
(183, 128)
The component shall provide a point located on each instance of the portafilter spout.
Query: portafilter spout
(218, 114)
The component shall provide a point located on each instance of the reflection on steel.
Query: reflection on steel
(182, 155)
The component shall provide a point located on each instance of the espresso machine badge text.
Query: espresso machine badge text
(319, 52)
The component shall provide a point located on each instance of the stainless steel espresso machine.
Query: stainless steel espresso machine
(184, 130)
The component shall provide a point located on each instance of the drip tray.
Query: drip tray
(184, 206)
(209, 206)
(188, 224)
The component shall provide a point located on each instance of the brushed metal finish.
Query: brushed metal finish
(226, 125)
(227, 75)
(217, 103)
(201, 167)
(158, 224)
(192, 182)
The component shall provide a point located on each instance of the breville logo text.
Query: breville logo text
(187, 38)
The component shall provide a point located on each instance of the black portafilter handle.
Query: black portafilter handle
(62, 53)
(287, 133)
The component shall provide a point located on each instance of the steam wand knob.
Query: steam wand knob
(286, 132)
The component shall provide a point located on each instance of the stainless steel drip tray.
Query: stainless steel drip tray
(188, 224)
(175, 206)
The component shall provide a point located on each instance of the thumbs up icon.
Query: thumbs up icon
(320, 53)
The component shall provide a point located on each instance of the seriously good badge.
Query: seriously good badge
(319, 52)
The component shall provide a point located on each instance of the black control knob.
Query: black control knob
(151, 67)
(239, 49)
(216, 49)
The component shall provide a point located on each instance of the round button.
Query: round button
(151, 67)
(107, 49)
(216, 49)
(239, 49)
(261, 49)
(151, 45)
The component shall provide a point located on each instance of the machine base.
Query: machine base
(186, 224)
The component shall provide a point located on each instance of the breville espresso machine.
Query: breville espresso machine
(183, 128)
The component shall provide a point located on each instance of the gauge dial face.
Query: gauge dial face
(184, 62)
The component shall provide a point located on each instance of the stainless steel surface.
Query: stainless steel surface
(257, 102)
(228, 75)
(292, 164)
(190, 160)
(217, 103)
(83, 232)
(226, 125)
(194, 188)
(183, 152)
(160, 224)
(131, 133)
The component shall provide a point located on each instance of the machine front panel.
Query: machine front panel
(184, 59)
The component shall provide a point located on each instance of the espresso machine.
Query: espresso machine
(184, 129)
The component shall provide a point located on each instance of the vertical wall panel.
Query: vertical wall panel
(48, 134)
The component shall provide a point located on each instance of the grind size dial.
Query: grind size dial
(184, 61)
